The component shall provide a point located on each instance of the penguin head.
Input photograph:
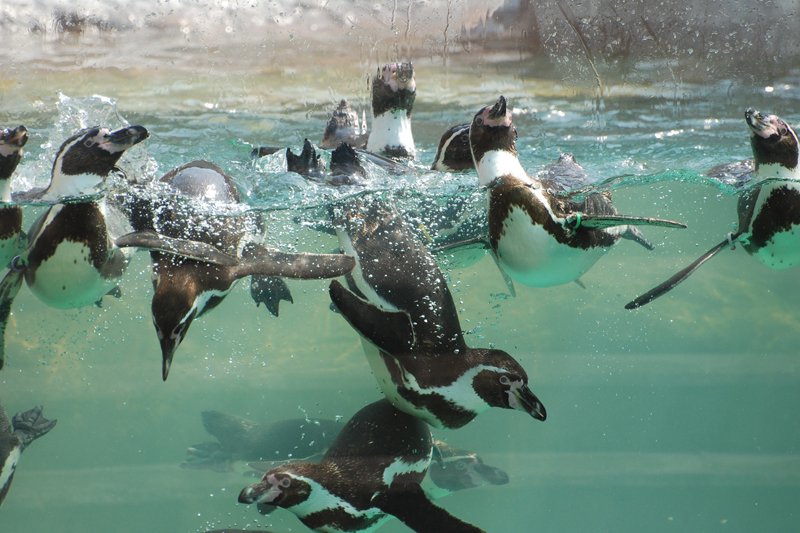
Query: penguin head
(279, 487)
(502, 382)
(394, 88)
(343, 126)
(11, 142)
(772, 139)
(174, 308)
(492, 130)
(453, 469)
(95, 150)
(453, 152)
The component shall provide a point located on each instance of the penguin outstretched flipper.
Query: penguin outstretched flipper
(388, 330)
(576, 220)
(259, 260)
(681, 275)
(269, 290)
(410, 505)
(30, 425)
(9, 288)
(196, 250)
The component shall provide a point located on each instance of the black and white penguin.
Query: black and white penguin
(185, 287)
(240, 439)
(393, 92)
(71, 259)
(15, 436)
(405, 313)
(373, 469)
(540, 237)
(453, 153)
(11, 143)
(768, 211)
(344, 127)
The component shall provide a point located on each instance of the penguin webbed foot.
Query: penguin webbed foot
(633, 234)
(31, 424)
(269, 290)
(115, 292)
(208, 455)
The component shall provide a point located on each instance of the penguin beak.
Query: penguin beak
(522, 398)
(759, 124)
(490, 474)
(16, 137)
(124, 138)
(498, 111)
(168, 347)
(264, 492)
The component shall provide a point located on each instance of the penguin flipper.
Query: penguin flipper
(506, 278)
(269, 290)
(679, 276)
(390, 331)
(198, 251)
(9, 288)
(257, 259)
(474, 241)
(410, 505)
(576, 220)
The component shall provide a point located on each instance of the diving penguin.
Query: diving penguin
(71, 259)
(186, 287)
(11, 143)
(373, 469)
(15, 436)
(403, 309)
(768, 212)
(541, 237)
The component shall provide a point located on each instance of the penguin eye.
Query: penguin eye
(504, 380)
(478, 120)
(285, 482)
(782, 131)
(88, 143)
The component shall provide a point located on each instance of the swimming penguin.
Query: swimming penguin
(11, 143)
(540, 237)
(239, 439)
(373, 469)
(185, 287)
(71, 259)
(404, 312)
(453, 153)
(344, 127)
(393, 92)
(769, 211)
(15, 436)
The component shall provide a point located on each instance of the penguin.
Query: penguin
(401, 306)
(453, 153)
(344, 127)
(538, 236)
(186, 287)
(372, 470)
(15, 436)
(239, 439)
(768, 211)
(11, 143)
(393, 92)
(71, 259)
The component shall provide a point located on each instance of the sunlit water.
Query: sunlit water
(680, 416)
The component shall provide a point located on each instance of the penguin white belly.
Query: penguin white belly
(68, 279)
(533, 257)
(782, 251)
(391, 129)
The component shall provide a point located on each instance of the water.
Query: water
(678, 416)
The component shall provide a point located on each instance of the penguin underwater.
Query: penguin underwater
(768, 212)
(402, 308)
(71, 259)
(15, 436)
(540, 234)
(11, 142)
(186, 287)
(373, 469)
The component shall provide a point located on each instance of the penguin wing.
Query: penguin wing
(410, 505)
(681, 275)
(199, 251)
(391, 331)
(9, 288)
(257, 259)
(576, 220)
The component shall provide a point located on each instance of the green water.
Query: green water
(680, 416)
